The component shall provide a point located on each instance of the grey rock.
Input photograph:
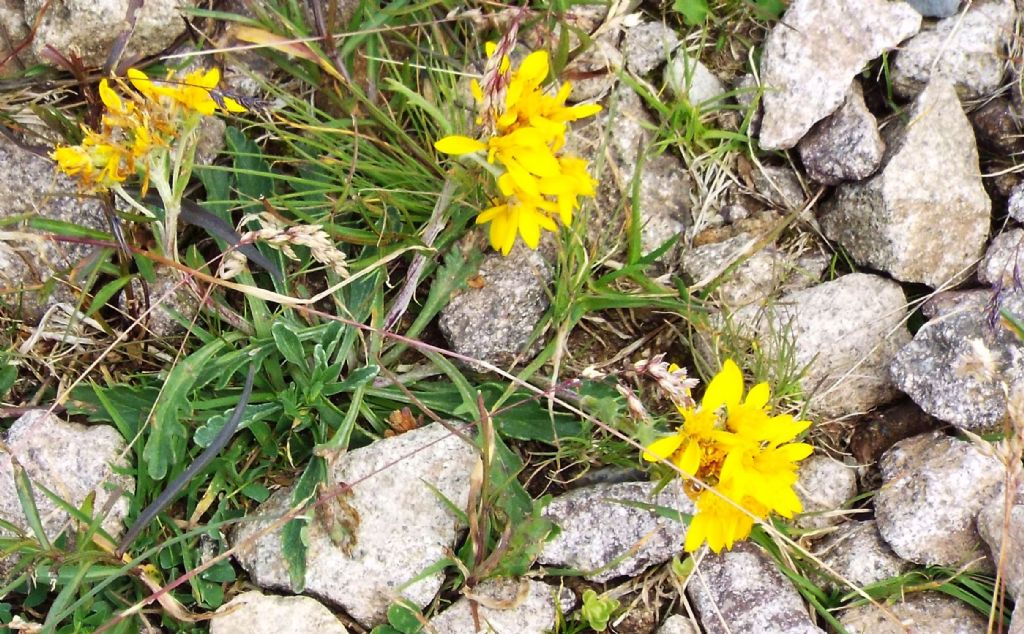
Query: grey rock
(923, 612)
(754, 280)
(1017, 619)
(678, 624)
(929, 178)
(742, 592)
(991, 522)
(846, 145)
(933, 487)
(402, 525)
(71, 460)
(997, 127)
(88, 28)
(814, 52)
(1003, 264)
(493, 323)
(535, 607)
(950, 302)
(691, 81)
(598, 68)
(857, 552)
(749, 96)
(968, 49)
(256, 613)
(16, 30)
(846, 333)
(30, 184)
(647, 45)
(169, 303)
(780, 186)
(935, 8)
(1015, 206)
(824, 485)
(596, 530)
(941, 370)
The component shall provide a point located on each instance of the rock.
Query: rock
(780, 186)
(846, 145)
(949, 302)
(919, 612)
(933, 487)
(532, 611)
(89, 28)
(814, 52)
(15, 30)
(598, 68)
(1015, 206)
(991, 521)
(647, 45)
(691, 81)
(1017, 620)
(845, 333)
(935, 8)
(493, 322)
(929, 178)
(1003, 264)
(749, 96)
(71, 460)
(641, 616)
(596, 530)
(755, 279)
(169, 303)
(968, 49)
(996, 126)
(742, 591)
(678, 624)
(664, 196)
(824, 486)
(30, 184)
(857, 552)
(256, 613)
(402, 525)
(942, 371)
(884, 427)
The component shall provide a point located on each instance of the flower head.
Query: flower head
(733, 443)
(525, 128)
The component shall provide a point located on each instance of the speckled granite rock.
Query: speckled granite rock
(691, 81)
(1003, 264)
(645, 46)
(857, 552)
(846, 145)
(532, 612)
(990, 526)
(824, 486)
(933, 487)
(935, 8)
(677, 624)
(924, 612)
(256, 613)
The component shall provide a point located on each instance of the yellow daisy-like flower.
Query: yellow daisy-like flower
(735, 445)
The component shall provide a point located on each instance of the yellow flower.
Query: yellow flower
(195, 91)
(518, 216)
(717, 522)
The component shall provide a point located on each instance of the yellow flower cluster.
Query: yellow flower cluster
(733, 444)
(527, 127)
(132, 127)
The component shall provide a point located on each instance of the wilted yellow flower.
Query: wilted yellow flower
(733, 444)
(526, 129)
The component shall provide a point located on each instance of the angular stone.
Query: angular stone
(256, 613)
(845, 333)
(857, 552)
(814, 52)
(943, 372)
(647, 45)
(1017, 619)
(16, 31)
(949, 302)
(991, 522)
(780, 186)
(755, 279)
(824, 486)
(403, 527)
(533, 608)
(30, 184)
(597, 530)
(933, 487)
(1015, 206)
(742, 590)
(691, 81)
(929, 178)
(1003, 264)
(997, 127)
(598, 68)
(968, 49)
(846, 145)
(935, 8)
(88, 28)
(931, 612)
(886, 426)
(71, 460)
(492, 321)
(678, 624)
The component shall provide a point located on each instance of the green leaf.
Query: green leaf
(288, 344)
(694, 11)
(354, 380)
(28, 503)
(205, 434)
(597, 610)
(770, 9)
(167, 440)
(404, 619)
(102, 296)
(526, 542)
(252, 174)
(294, 541)
(8, 376)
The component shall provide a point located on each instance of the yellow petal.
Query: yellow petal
(758, 396)
(689, 459)
(534, 68)
(110, 98)
(726, 388)
(476, 90)
(490, 48)
(457, 145)
(663, 448)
